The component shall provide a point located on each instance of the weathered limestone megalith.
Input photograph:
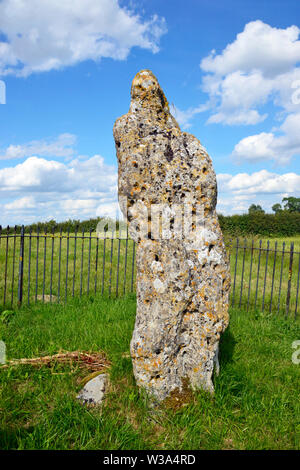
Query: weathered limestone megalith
(183, 275)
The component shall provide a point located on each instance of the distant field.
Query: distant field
(268, 268)
(67, 266)
(280, 241)
(60, 268)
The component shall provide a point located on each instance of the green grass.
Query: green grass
(255, 406)
(66, 267)
(280, 240)
(269, 274)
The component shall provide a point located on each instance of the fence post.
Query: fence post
(235, 268)
(21, 267)
(288, 295)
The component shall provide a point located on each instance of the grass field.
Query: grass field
(66, 267)
(260, 280)
(255, 406)
(60, 268)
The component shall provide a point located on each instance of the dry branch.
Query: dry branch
(90, 361)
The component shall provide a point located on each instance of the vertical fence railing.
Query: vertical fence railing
(288, 294)
(29, 267)
(250, 275)
(273, 277)
(13, 267)
(21, 267)
(52, 267)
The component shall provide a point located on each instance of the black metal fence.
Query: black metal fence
(51, 267)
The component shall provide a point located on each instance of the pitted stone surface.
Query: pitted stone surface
(183, 278)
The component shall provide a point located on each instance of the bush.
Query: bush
(284, 224)
(49, 226)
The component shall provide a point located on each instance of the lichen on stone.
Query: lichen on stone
(168, 194)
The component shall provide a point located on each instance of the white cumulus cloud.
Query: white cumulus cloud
(269, 146)
(259, 47)
(47, 176)
(39, 189)
(184, 117)
(51, 34)
(62, 146)
(23, 203)
(258, 67)
(238, 94)
(261, 181)
(238, 192)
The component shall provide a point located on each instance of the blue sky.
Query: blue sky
(231, 71)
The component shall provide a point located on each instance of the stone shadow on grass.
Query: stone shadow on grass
(10, 438)
(227, 345)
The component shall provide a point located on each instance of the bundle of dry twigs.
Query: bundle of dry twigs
(91, 361)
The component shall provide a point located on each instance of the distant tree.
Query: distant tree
(292, 204)
(277, 208)
(51, 224)
(255, 209)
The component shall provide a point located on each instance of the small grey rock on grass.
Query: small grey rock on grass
(93, 392)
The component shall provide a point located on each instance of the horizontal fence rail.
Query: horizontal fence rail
(51, 267)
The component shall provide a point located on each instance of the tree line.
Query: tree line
(289, 204)
(71, 225)
(284, 222)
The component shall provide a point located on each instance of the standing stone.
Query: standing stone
(183, 275)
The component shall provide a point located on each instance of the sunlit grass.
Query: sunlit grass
(255, 406)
